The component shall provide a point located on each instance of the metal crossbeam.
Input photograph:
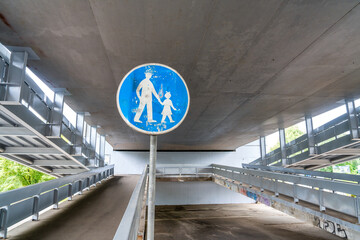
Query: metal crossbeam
(345, 151)
(54, 162)
(68, 171)
(15, 131)
(31, 150)
(314, 161)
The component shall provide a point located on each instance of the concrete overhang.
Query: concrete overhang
(251, 66)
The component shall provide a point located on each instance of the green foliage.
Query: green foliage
(291, 134)
(14, 175)
(352, 165)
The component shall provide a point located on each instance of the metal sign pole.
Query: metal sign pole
(152, 183)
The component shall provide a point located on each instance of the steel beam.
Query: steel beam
(16, 76)
(263, 150)
(56, 115)
(54, 162)
(353, 120)
(282, 146)
(314, 161)
(345, 151)
(15, 131)
(31, 150)
(68, 171)
(310, 135)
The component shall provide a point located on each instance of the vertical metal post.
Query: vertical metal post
(4, 219)
(102, 150)
(56, 115)
(35, 210)
(310, 135)
(357, 207)
(80, 187)
(263, 150)
(152, 183)
(282, 146)
(321, 200)
(56, 199)
(353, 120)
(16, 76)
(70, 191)
(78, 136)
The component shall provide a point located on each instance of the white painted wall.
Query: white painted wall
(186, 193)
(130, 162)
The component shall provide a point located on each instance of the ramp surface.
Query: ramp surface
(231, 221)
(94, 215)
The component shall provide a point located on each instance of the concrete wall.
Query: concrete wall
(129, 162)
(186, 193)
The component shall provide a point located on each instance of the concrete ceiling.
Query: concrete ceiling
(251, 66)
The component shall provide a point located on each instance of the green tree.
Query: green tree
(291, 134)
(14, 175)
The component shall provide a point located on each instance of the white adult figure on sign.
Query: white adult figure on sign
(147, 90)
(167, 108)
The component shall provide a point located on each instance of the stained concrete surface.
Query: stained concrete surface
(232, 221)
(94, 215)
(250, 66)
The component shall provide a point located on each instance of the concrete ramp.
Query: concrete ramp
(232, 221)
(94, 215)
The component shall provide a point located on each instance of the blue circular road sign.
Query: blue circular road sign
(153, 99)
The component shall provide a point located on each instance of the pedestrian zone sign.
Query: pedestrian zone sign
(153, 99)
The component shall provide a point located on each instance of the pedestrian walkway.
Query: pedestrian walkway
(94, 215)
(232, 221)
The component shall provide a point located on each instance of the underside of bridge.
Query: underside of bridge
(251, 66)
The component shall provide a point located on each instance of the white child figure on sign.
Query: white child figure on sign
(166, 112)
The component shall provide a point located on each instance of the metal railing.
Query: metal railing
(18, 87)
(182, 170)
(327, 137)
(129, 225)
(314, 174)
(18, 204)
(339, 196)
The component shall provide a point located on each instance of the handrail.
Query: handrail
(18, 204)
(339, 196)
(329, 175)
(129, 225)
(183, 169)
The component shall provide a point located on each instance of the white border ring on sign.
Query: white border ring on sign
(139, 129)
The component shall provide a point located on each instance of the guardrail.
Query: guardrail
(18, 204)
(339, 196)
(315, 174)
(182, 170)
(129, 225)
